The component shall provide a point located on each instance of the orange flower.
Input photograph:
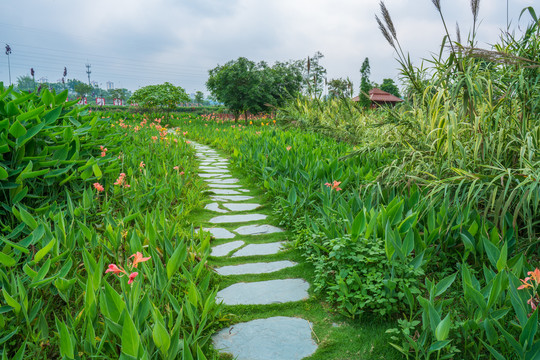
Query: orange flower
(137, 258)
(115, 269)
(289, 148)
(99, 187)
(526, 283)
(535, 275)
(334, 185)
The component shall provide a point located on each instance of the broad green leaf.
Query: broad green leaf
(161, 337)
(3, 173)
(17, 130)
(11, 302)
(444, 284)
(130, 337)
(66, 343)
(177, 258)
(7, 260)
(28, 219)
(526, 338)
(501, 263)
(41, 253)
(438, 345)
(97, 171)
(443, 329)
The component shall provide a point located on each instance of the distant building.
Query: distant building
(43, 80)
(95, 84)
(110, 85)
(379, 98)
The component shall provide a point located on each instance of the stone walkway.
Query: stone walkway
(275, 338)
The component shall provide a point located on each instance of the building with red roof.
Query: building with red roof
(379, 98)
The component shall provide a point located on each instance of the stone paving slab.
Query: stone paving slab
(225, 192)
(224, 249)
(219, 233)
(237, 218)
(241, 207)
(255, 268)
(257, 230)
(203, 175)
(231, 197)
(215, 207)
(264, 292)
(214, 171)
(224, 186)
(222, 181)
(207, 167)
(260, 249)
(275, 338)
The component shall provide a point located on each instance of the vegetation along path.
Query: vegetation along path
(245, 247)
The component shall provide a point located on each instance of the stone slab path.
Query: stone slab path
(275, 338)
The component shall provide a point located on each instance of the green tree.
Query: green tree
(340, 88)
(365, 84)
(122, 94)
(165, 96)
(199, 97)
(82, 89)
(390, 87)
(244, 86)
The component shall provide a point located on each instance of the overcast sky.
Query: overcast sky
(136, 43)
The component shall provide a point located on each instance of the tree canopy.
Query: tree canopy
(365, 84)
(390, 87)
(245, 86)
(165, 96)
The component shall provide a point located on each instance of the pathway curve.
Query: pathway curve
(240, 231)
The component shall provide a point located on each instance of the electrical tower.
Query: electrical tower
(88, 72)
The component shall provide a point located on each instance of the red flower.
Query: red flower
(99, 187)
(137, 258)
(132, 277)
(115, 269)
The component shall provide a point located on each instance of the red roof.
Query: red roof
(382, 96)
(378, 95)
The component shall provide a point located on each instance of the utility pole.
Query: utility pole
(8, 52)
(88, 72)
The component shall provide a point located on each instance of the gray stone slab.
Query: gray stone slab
(255, 268)
(240, 207)
(225, 192)
(224, 249)
(219, 233)
(224, 186)
(260, 249)
(275, 338)
(215, 207)
(237, 218)
(215, 171)
(214, 175)
(257, 230)
(207, 167)
(231, 197)
(222, 181)
(264, 292)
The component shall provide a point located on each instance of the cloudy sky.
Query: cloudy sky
(136, 43)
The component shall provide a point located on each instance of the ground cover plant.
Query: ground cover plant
(97, 256)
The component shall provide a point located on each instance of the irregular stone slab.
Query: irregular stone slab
(224, 186)
(260, 249)
(255, 268)
(237, 218)
(231, 198)
(214, 175)
(225, 192)
(279, 337)
(224, 249)
(257, 229)
(264, 292)
(241, 207)
(215, 171)
(244, 190)
(215, 207)
(219, 233)
(207, 167)
(222, 181)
